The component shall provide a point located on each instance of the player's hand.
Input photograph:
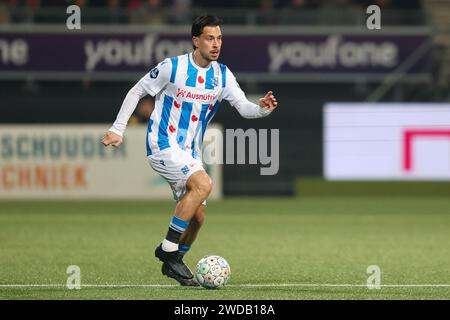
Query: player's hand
(269, 102)
(112, 139)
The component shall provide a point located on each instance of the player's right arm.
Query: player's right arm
(152, 83)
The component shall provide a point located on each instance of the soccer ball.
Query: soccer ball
(212, 272)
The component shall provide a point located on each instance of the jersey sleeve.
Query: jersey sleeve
(154, 81)
(232, 92)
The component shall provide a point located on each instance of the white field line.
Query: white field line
(274, 285)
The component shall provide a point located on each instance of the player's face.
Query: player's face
(209, 43)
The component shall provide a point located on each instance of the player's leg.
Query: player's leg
(198, 187)
(186, 240)
(189, 236)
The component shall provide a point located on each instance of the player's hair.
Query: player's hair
(204, 21)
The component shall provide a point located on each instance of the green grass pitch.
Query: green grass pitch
(291, 248)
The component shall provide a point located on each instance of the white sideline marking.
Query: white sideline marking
(337, 285)
(89, 285)
(274, 285)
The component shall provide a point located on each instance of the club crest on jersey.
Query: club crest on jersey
(154, 73)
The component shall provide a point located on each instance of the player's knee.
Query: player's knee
(200, 184)
(203, 187)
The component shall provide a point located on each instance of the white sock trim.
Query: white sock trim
(169, 246)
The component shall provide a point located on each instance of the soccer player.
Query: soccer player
(187, 90)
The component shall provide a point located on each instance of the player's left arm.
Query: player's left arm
(268, 102)
(247, 109)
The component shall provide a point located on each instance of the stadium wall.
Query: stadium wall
(84, 99)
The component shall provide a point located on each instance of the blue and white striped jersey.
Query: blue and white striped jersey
(187, 97)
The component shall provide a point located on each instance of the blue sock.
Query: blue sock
(183, 249)
(176, 229)
(178, 225)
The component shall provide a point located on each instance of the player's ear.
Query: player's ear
(195, 41)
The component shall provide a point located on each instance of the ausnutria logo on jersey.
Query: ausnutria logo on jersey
(196, 96)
